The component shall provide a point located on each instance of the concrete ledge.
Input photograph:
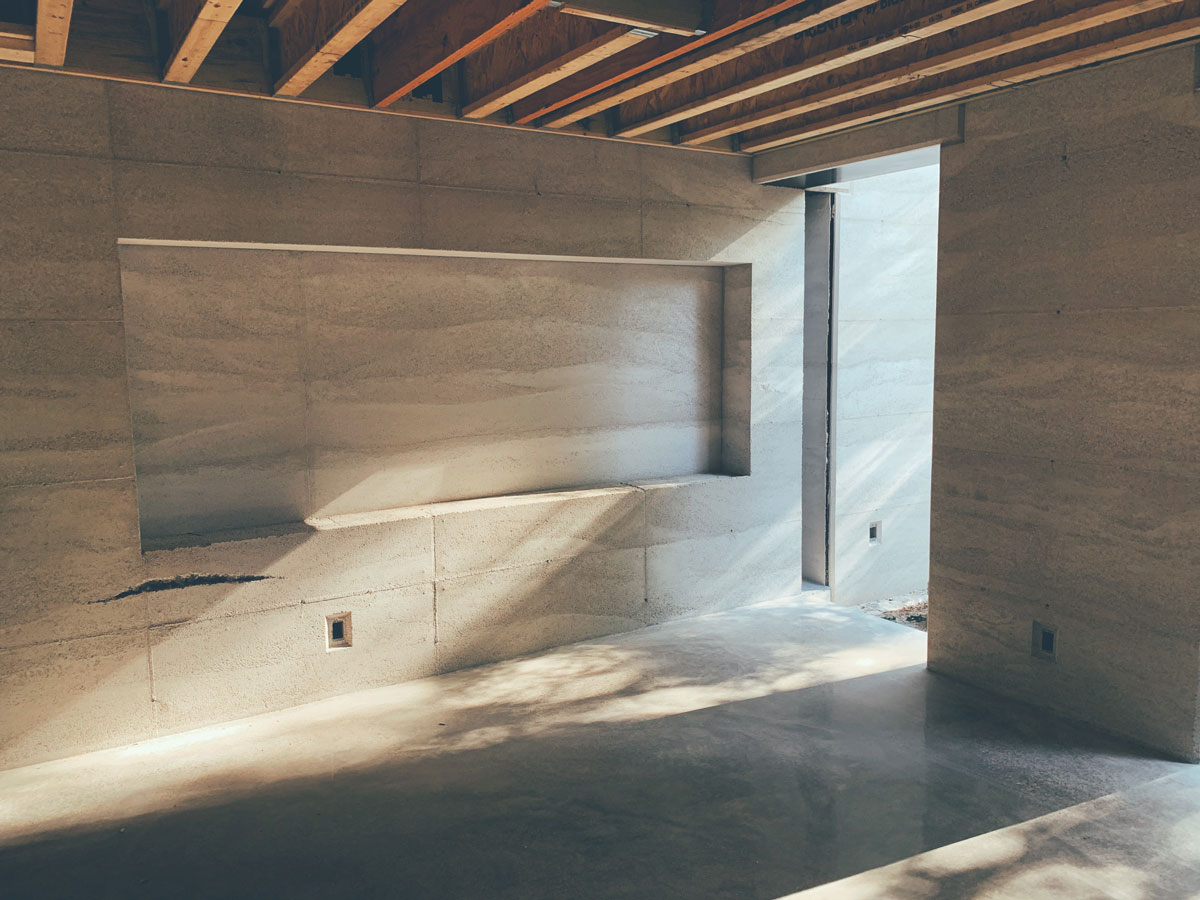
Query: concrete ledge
(424, 511)
(423, 251)
(939, 126)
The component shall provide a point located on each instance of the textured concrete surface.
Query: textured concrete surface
(269, 386)
(886, 235)
(1065, 481)
(140, 161)
(793, 750)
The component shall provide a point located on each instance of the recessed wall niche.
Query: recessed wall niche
(270, 384)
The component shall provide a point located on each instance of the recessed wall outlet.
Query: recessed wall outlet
(1045, 641)
(338, 631)
(875, 532)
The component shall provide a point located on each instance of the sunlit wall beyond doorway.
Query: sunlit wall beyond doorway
(870, 307)
(885, 231)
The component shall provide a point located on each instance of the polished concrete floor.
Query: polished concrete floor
(793, 750)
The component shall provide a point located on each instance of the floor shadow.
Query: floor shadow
(757, 798)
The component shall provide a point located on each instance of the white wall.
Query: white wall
(886, 237)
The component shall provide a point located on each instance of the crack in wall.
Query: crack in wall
(179, 582)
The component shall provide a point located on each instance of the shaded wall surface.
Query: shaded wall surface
(84, 663)
(1066, 462)
(269, 386)
(883, 439)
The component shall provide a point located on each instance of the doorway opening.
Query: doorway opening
(870, 306)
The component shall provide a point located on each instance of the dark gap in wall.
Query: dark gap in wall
(18, 12)
(181, 581)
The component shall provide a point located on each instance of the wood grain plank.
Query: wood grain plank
(681, 17)
(53, 24)
(747, 40)
(1173, 24)
(873, 32)
(610, 42)
(194, 26)
(424, 38)
(315, 34)
(17, 42)
(979, 41)
(728, 16)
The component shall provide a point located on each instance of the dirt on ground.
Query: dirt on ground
(910, 609)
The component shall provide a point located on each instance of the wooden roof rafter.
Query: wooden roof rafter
(423, 39)
(193, 26)
(980, 41)
(540, 52)
(851, 40)
(728, 17)
(17, 42)
(682, 17)
(728, 49)
(53, 26)
(315, 34)
(1159, 28)
(721, 74)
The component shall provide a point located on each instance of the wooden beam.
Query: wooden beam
(728, 16)
(194, 26)
(17, 43)
(424, 38)
(1082, 49)
(601, 47)
(53, 25)
(682, 17)
(650, 53)
(284, 10)
(728, 49)
(850, 41)
(315, 34)
(975, 43)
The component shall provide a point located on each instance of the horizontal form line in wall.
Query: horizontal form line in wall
(59, 482)
(405, 112)
(416, 251)
(76, 638)
(61, 321)
(1181, 470)
(1064, 311)
(420, 511)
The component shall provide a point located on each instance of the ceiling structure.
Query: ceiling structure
(732, 75)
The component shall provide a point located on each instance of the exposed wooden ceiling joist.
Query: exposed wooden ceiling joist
(53, 25)
(736, 45)
(843, 43)
(193, 27)
(422, 39)
(278, 13)
(728, 16)
(682, 17)
(554, 48)
(979, 41)
(639, 58)
(770, 72)
(315, 34)
(17, 42)
(1165, 26)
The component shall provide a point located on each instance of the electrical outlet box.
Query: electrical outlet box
(875, 532)
(339, 631)
(1045, 642)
